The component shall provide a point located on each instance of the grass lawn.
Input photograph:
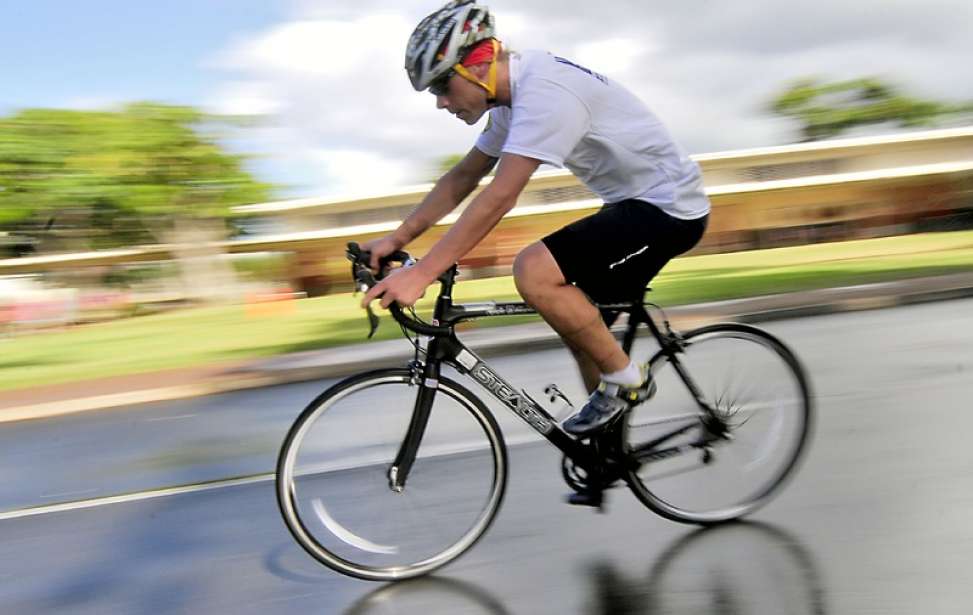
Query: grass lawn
(219, 334)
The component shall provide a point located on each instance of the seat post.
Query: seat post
(631, 329)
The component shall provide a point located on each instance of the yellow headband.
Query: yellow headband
(491, 84)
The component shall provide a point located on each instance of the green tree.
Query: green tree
(122, 172)
(445, 163)
(829, 109)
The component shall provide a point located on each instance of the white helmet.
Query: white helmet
(441, 40)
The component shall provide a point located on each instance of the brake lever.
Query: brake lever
(365, 279)
(372, 321)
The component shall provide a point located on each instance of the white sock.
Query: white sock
(630, 376)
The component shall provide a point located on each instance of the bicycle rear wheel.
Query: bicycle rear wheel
(333, 485)
(710, 474)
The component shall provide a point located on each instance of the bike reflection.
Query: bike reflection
(738, 568)
(428, 595)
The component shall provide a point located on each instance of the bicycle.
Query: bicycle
(421, 444)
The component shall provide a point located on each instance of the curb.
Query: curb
(308, 366)
(856, 304)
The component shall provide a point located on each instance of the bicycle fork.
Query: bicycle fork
(398, 472)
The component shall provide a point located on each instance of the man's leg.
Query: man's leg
(613, 380)
(568, 311)
(611, 254)
(590, 374)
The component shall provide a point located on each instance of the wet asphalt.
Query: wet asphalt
(876, 520)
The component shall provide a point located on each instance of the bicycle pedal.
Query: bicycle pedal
(594, 500)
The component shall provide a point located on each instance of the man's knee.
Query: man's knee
(523, 267)
(535, 268)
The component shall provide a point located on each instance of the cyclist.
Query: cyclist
(544, 109)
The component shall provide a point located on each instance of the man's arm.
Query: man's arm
(406, 285)
(445, 196)
(482, 215)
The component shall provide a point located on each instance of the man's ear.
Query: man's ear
(481, 70)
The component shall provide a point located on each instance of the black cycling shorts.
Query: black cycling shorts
(613, 254)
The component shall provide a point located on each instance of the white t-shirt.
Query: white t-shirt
(568, 116)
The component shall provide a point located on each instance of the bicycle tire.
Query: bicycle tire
(707, 348)
(341, 548)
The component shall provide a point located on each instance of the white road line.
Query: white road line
(67, 493)
(133, 497)
(171, 418)
(209, 486)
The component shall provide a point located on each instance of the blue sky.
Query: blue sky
(57, 53)
(341, 118)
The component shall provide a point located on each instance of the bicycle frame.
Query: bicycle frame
(445, 347)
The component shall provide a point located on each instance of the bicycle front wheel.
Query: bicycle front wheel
(333, 485)
(705, 474)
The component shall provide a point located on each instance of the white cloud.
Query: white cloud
(321, 48)
(356, 171)
(346, 116)
(246, 98)
(612, 56)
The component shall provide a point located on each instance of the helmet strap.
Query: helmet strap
(491, 83)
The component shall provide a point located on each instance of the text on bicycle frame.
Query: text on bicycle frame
(523, 407)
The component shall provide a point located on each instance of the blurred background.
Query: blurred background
(218, 155)
(178, 182)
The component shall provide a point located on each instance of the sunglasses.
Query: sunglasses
(440, 87)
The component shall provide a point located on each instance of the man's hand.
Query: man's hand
(379, 248)
(404, 286)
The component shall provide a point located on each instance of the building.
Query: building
(767, 197)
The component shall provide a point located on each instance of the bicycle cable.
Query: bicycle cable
(414, 341)
(665, 319)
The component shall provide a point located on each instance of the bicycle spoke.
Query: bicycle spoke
(758, 396)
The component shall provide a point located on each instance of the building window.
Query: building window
(550, 196)
(790, 170)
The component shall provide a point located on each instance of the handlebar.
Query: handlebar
(365, 279)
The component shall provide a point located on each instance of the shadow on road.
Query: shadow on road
(737, 568)
(428, 595)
